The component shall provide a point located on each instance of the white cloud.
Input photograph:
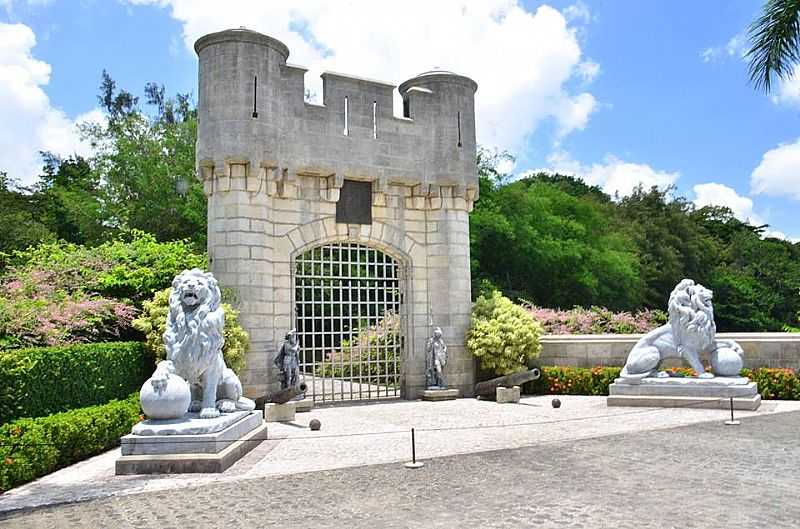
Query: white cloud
(31, 124)
(521, 60)
(578, 12)
(588, 70)
(736, 47)
(788, 90)
(714, 194)
(506, 166)
(778, 174)
(614, 176)
(780, 235)
(9, 5)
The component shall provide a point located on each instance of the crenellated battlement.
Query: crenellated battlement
(253, 119)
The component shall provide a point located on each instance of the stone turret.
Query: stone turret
(273, 168)
(443, 104)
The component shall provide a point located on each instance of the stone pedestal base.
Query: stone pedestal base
(507, 395)
(685, 392)
(304, 405)
(440, 394)
(189, 424)
(279, 412)
(156, 452)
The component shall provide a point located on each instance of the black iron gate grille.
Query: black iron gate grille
(348, 300)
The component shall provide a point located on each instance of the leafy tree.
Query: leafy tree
(535, 240)
(756, 289)
(572, 186)
(670, 245)
(775, 42)
(117, 103)
(147, 164)
(19, 218)
(69, 195)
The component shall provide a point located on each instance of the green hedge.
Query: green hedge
(30, 448)
(774, 384)
(40, 381)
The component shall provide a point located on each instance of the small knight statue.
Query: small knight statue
(288, 361)
(436, 359)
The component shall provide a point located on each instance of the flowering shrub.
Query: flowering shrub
(60, 293)
(371, 356)
(574, 381)
(122, 269)
(596, 320)
(152, 322)
(773, 383)
(36, 311)
(503, 336)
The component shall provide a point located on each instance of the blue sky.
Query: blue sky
(615, 91)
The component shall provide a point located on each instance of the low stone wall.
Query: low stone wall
(772, 349)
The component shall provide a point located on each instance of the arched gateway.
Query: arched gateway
(339, 219)
(351, 319)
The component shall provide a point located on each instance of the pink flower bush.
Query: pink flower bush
(61, 293)
(596, 320)
(37, 310)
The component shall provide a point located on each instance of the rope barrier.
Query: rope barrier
(689, 405)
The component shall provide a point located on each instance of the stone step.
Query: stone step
(440, 394)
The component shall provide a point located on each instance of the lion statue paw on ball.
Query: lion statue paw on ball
(194, 341)
(689, 333)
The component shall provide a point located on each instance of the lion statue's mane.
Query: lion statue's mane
(689, 333)
(194, 340)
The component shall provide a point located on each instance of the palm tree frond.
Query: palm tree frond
(775, 43)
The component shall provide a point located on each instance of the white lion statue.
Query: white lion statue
(194, 341)
(689, 334)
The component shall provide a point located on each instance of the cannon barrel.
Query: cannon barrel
(489, 387)
(285, 395)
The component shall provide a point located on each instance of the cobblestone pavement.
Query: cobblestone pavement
(700, 476)
(373, 434)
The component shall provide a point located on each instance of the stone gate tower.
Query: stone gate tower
(284, 176)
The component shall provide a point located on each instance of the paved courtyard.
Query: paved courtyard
(584, 465)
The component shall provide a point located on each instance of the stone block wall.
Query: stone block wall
(760, 349)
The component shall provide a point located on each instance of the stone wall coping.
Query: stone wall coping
(617, 338)
(356, 78)
(241, 35)
(437, 76)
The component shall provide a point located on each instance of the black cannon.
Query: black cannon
(285, 395)
(489, 387)
(282, 396)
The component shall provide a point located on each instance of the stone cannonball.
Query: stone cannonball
(170, 402)
(315, 425)
(726, 362)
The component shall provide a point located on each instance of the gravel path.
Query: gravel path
(699, 476)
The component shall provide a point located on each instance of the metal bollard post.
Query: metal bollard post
(414, 463)
(732, 422)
